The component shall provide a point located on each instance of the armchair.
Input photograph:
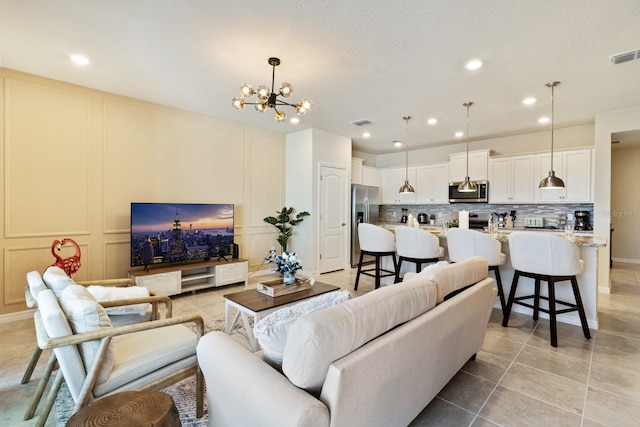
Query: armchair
(97, 359)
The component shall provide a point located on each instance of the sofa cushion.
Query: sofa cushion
(112, 293)
(318, 339)
(86, 315)
(57, 280)
(452, 277)
(271, 331)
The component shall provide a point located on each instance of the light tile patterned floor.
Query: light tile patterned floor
(518, 379)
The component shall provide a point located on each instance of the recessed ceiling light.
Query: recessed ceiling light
(366, 134)
(79, 59)
(459, 134)
(474, 64)
(529, 101)
(543, 120)
(397, 143)
(432, 121)
(295, 120)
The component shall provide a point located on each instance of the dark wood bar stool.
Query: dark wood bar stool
(377, 242)
(552, 259)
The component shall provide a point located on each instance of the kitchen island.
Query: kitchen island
(587, 280)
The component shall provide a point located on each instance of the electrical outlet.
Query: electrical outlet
(439, 214)
(394, 214)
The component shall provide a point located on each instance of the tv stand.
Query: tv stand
(177, 279)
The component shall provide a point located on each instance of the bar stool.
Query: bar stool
(463, 243)
(417, 246)
(549, 258)
(377, 242)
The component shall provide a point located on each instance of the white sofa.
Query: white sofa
(375, 360)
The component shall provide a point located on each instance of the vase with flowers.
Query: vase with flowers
(286, 264)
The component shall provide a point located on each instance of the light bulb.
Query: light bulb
(286, 89)
(263, 92)
(246, 90)
(280, 116)
(237, 103)
(261, 106)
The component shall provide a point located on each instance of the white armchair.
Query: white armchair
(98, 360)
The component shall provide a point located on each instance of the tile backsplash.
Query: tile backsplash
(390, 214)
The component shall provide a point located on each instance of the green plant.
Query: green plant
(284, 223)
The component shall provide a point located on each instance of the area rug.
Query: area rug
(183, 392)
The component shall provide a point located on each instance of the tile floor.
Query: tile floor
(518, 379)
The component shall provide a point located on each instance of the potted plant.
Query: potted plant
(284, 223)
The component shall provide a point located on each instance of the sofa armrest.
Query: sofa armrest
(245, 390)
(124, 282)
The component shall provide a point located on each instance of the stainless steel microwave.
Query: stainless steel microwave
(481, 195)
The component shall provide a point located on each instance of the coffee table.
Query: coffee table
(253, 303)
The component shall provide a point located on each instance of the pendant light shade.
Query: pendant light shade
(467, 186)
(552, 181)
(406, 188)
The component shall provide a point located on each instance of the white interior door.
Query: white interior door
(333, 218)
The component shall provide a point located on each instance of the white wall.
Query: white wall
(73, 159)
(306, 151)
(625, 210)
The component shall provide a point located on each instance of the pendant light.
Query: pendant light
(552, 181)
(467, 186)
(406, 188)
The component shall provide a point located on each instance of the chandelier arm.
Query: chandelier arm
(280, 102)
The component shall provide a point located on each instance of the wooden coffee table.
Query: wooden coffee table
(253, 303)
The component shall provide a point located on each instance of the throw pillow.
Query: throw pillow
(271, 331)
(36, 285)
(411, 274)
(57, 280)
(86, 315)
(112, 293)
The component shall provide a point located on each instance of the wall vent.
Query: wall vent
(361, 122)
(624, 57)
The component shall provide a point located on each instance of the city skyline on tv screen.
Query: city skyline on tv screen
(180, 232)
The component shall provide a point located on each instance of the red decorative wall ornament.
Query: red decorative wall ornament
(71, 264)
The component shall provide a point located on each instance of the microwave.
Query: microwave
(481, 195)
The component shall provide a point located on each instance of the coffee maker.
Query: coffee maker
(583, 221)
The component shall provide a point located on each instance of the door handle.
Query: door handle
(344, 224)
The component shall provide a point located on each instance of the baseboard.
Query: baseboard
(20, 315)
(626, 260)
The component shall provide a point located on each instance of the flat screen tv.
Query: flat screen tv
(180, 232)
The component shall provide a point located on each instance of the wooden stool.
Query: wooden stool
(129, 409)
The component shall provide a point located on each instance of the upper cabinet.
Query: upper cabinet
(432, 186)
(478, 164)
(511, 179)
(370, 176)
(390, 182)
(574, 168)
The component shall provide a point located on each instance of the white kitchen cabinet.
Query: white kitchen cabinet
(390, 182)
(511, 179)
(478, 166)
(432, 184)
(356, 170)
(370, 176)
(574, 168)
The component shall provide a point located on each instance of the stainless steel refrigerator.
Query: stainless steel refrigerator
(364, 208)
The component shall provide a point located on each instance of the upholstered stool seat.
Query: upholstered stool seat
(552, 259)
(377, 242)
(417, 246)
(463, 244)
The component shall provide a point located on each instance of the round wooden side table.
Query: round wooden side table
(129, 409)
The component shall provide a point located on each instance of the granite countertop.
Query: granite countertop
(582, 239)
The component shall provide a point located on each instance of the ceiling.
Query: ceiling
(358, 59)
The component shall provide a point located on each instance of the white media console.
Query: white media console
(180, 278)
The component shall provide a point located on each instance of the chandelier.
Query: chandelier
(467, 186)
(551, 181)
(406, 188)
(269, 98)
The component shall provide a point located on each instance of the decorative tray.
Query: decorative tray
(276, 288)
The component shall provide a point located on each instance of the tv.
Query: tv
(180, 232)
